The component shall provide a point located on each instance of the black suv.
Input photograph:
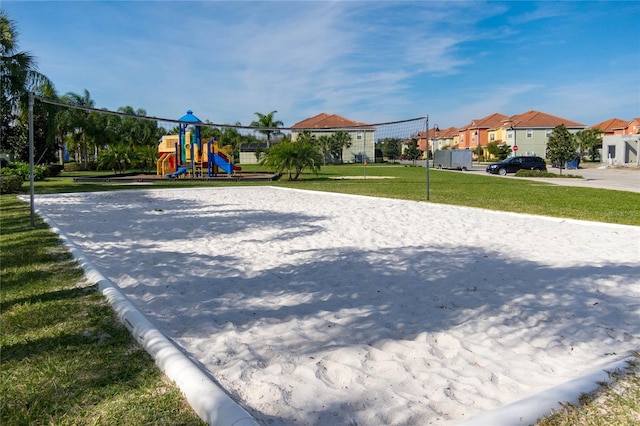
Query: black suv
(513, 164)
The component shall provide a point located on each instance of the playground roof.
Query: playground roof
(189, 117)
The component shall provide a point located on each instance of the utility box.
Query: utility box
(460, 159)
(5, 159)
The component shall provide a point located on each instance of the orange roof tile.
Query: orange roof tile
(441, 133)
(325, 121)
(447, 133)
(540, 119)
(492, 121)
(610, 124)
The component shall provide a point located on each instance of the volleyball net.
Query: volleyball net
(96, 136)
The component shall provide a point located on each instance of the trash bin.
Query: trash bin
(572, 164)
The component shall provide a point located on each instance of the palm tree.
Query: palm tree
(293, 158)
(18, 77)
(341, 139)
(44, 126)
(590, 142)
(118, 157)
(79, 119)
(145, 157)
(268, 125)
(18, 72)
(63, 126)
(231, 136)
(324, 144)
(136, 131)
(306, 137)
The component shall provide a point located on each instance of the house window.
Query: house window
(492, 137)
(547, 133)
(359, 135)
(529, 133)
(510, 135)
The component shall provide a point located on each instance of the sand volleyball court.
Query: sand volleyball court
(326, 309)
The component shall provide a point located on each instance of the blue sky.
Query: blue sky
(368, 61)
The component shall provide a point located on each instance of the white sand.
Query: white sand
(319, 309)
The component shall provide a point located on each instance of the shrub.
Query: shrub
(118, 158)
(81, 167)
(54, 170)
(10, 183)
(39, 173)
(22, 170)
(74, 167)
(534, 173)
(540, 173)
(18, 169)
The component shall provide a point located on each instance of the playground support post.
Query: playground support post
(31, 178)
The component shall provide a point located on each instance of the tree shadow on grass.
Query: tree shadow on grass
(47, 296)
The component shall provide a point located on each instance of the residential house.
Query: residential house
(444, 138)
(498, 135)
(475, 135)
(528, 133)
(362, 147)
(438, 139)
(610, 127)
(422, 140)
(631, 128)
(621, 142)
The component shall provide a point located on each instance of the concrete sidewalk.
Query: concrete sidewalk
(620, 178)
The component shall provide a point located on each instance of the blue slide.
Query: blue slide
(221, 160)
(181, 171)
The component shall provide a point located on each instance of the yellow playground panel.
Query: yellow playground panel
(167, 151)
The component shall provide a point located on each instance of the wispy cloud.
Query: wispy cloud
(596, 99)
(543, 11)
(504, 99)
(369, 61)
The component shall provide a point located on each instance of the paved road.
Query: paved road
(621, 179)
(618, 178)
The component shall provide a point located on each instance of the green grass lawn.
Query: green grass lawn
(616, 403)
(66, 360)
(475, 189)
(471, 189)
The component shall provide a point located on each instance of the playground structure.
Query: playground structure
(185, 155)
